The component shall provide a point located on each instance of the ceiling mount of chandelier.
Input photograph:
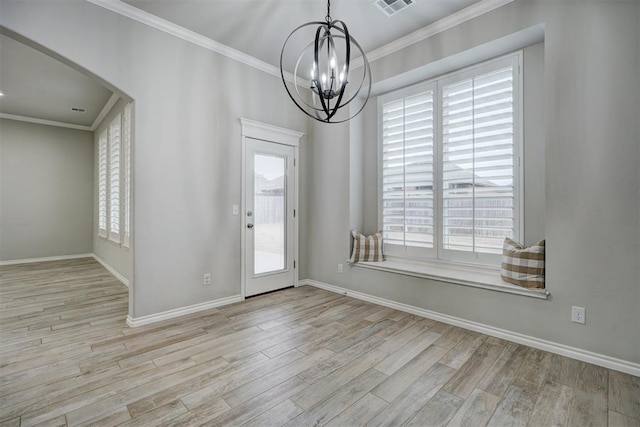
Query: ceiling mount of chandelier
(326, 60)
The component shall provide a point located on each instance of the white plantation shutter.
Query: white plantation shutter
(407, 171)
(478, 161)
(450, 165)
(114, 179)
(126, 174)
(102, 184)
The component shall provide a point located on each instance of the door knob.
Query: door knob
(249, 225)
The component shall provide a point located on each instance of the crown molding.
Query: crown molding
(44, 122)
(168, 27)
(450, 21)
(105, 110)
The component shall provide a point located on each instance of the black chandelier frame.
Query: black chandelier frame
(326, 112)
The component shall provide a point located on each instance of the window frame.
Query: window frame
(122, 236)
(397, 250)
(438, 253)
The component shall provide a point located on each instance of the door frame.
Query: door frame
(274, 134)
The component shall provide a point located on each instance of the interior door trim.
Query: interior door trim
(269, 133)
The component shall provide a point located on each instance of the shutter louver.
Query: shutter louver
(102, 185)
(126, 174)
(407, 168)
(478, 162)
(114, 179)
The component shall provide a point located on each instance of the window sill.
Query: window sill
(466, 275)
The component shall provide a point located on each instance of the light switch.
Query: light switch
(235, 209)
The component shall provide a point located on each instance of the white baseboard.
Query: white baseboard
(44, 259)
(177, 312)
(112, 270)
(552, 347)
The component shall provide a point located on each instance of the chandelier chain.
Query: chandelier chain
(328, 17)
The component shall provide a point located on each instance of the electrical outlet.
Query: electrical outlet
(578, 314)
(206, 280)
(340, 269)
(235, 209)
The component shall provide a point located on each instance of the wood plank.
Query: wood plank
(463, 350)
(515, 407)
(466, 378)
(533, 370)
(501, 374)
(104, 404)
(553, 406)
(276, 416)
(438, 411)
(115, 418)
(360, 412)
(347, 342)
(275, 377)
(339, 360)
(259, 404)
(222, 374)
(390, 389)
(618, 420)
(476, 410)
(407, 405)
(563, 371)
(589, 406)
(60, 421)
(201, 415)
(452, 336)
(351, 392)
(404, 354)
(327, 385)
(230, 382)
(624, 394)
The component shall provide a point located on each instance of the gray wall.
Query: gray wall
(46, 190)
(115, 255)
(590, 207)
(187, 142)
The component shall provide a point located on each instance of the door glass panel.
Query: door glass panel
(269, 202)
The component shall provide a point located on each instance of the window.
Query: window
(102, 184)
(126, 173)
(407, 170)
(114, 179)
(449, 187)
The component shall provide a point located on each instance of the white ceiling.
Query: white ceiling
(260, 27)
(40, 87)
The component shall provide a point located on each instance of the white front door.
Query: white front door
(269, 216)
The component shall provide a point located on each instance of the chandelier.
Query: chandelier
(326, 61)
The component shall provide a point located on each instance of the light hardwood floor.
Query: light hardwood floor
(298, 357)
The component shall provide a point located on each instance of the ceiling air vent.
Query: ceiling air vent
(78, 110)
(391, 7)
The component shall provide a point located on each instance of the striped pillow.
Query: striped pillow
(523, 266)
(366, 248)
